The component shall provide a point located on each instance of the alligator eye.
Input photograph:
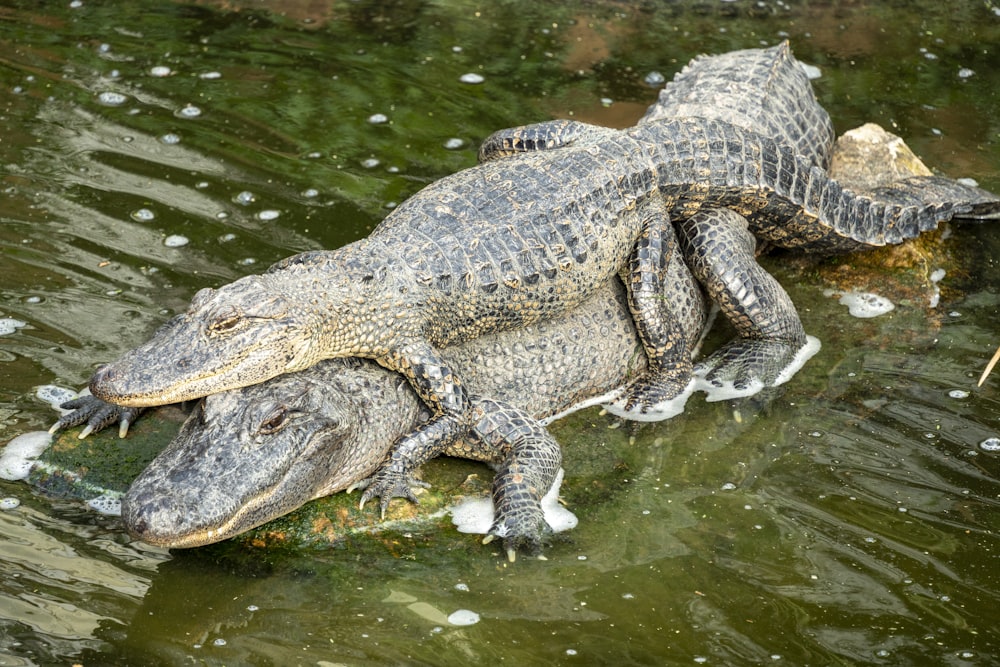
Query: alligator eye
(224, 324)
(275, 421)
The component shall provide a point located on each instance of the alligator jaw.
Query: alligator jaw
(238, 335)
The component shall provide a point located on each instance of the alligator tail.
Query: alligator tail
(885, 216)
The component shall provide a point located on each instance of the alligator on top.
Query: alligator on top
(527, 236)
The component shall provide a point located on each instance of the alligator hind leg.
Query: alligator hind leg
(719, 249)
(660, 328)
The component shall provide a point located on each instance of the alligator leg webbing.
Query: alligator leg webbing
(659, 328)
(719, 249)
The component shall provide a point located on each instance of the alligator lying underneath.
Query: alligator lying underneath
(515, 240)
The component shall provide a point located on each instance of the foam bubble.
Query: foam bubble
(812, 72)
(188, 111)
(55, 395)
(473, 515)
(142, 215)
(463, 617)
(864, 304)
(658, 412)
(175, 241)
(9, 325)
(20, 453)
(112, 99)
(110, 504)
(990, 445)
(471, 77)
(9, 503)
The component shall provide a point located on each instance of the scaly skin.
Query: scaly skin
(250, 455)
(278, 441)
(505, 244)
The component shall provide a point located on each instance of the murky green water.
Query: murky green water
(851, 520)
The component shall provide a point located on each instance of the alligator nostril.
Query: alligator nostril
(103, 375)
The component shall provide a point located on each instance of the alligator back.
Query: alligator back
(765, 90)
(508, 242)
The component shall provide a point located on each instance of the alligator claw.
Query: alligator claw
(96, 415)
(386, 485)
(526, 533)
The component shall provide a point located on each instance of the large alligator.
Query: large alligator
(532, 235)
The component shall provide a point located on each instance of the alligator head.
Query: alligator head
(240, 334)
(247, 456)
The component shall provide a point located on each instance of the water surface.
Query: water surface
(149, 152)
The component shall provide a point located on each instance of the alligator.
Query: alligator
(253, 454)
(527, 236)
(249, 455)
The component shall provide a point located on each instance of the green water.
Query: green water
(850, 520)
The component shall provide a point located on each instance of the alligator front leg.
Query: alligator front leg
(527, 459)
(719, 249)
(97, 415)
(442, 391)
(660, 329)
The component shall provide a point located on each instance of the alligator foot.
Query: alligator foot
(527, 531)
(746, 366)
(387, 484)
(648, 393)
(97, 415)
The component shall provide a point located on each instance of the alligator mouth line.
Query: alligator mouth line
(229, 528)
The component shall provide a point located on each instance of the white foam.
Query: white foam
(9, 325)
(55, 395)
(603, 399)
(655, 413)
(20, 453)
(463, 617)
(812, 72)
(109, 503)
(727, 391)
(475, 515)
(863, 304)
